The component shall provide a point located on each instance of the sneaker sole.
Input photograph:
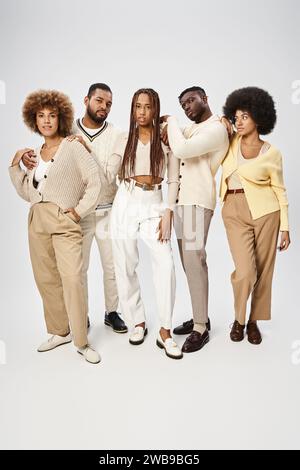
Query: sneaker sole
(136, 343)
(116, 331)
(54, 347)
(161, 346)
(90, 362)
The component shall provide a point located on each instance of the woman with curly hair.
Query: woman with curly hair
(255, 207)
(63, 187)
(138, 211)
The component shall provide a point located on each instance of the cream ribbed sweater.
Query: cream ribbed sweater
(102, 144)
(200, 149)
(72, 180)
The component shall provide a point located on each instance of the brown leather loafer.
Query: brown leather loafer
(254, 335)
(195, 341)
(237, 332)
(187, 327)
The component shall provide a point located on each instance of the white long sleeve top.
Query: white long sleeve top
(200, 148)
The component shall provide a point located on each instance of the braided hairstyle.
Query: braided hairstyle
(156, 151)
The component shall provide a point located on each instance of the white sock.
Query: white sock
(200, 327)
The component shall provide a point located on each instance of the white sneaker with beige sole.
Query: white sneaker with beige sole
(89, 354)
(53, 342)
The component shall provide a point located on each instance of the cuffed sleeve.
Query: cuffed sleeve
(277, 184)
(20, 181)
(115, 160)
(91, 176)
(197, 145)
(172, 179)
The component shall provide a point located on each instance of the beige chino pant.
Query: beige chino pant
(55, 243)
(96, 225)
(191, 226)
(253, 247)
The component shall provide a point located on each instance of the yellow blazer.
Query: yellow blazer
(262, 180)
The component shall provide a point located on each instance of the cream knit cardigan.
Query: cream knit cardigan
(72, 180)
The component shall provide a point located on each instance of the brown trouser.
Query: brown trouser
(55, 243)
(191, 227)
(253, 247)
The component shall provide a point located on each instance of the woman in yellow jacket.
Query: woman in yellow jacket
(255, 207)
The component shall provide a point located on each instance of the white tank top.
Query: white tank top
(233, 181)
(40, 171)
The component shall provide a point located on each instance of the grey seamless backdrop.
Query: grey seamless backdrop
(170, 45)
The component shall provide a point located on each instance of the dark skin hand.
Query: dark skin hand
(285, 241)
(29, 160)
(72, 214)
(164, 131)
(164, 228)
(229, 127)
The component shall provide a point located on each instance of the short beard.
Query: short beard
(93, 116)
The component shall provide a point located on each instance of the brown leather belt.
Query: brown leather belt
(234, 191)
(144, 186)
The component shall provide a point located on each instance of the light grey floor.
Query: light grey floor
(225, 396)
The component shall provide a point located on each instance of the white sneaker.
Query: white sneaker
(170, 347)
(138, 335)
(53, 342)
(89, 354)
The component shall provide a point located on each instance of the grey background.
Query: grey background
(170, 45)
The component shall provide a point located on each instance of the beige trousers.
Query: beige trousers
(253, 247)
(96, 225)
(55, 243)
(191, 227)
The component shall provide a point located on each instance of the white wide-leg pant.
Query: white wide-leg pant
(136, 213)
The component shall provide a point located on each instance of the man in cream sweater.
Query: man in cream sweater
(200, 148)
(99, 137)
